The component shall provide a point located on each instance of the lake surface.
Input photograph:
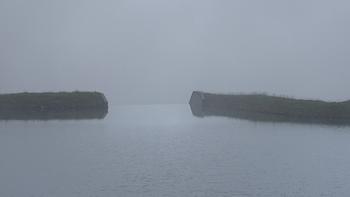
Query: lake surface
(162, 150)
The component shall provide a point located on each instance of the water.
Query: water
(162, 150)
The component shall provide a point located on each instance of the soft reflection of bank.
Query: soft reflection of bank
(65, 115)
(269, 109)
(162, 150)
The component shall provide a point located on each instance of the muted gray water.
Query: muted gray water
(161, 150)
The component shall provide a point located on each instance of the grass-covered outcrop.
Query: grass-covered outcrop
(261, 107)
(60, 105)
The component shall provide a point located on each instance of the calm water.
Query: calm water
(163, 150)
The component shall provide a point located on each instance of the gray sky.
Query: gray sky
(158, 51)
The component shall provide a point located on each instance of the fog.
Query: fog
(158, 51)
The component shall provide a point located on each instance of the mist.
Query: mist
(159, 51)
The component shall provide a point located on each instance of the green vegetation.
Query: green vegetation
(60, 105)
(261, 107)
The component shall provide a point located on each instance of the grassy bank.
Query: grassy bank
(60, 105)
(270, 108)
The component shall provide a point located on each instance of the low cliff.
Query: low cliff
(269, 108)
(60, 105)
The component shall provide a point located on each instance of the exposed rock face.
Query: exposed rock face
(196, 103)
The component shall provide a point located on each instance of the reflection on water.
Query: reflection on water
(162, 150)
(54, 115)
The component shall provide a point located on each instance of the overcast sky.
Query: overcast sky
(158, 51)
